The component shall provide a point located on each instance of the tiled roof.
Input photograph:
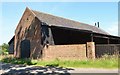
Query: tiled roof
(59, 21)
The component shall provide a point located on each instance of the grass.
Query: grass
(104, 62)
(12, 60)
(98, 63)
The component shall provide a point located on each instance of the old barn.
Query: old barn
(37, 30)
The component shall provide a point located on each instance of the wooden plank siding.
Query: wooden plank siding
(110, 49)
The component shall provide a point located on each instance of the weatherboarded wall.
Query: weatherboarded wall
(110, 49)
(65, 52)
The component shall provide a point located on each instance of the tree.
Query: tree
(4, 49)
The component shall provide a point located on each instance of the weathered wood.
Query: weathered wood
(91, 37)
(109, 49)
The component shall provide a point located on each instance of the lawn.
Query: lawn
(104, 62)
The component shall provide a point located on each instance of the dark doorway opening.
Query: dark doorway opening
(25, 49)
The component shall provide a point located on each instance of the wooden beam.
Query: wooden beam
(91, 37)
(108, 41)
(98, 36)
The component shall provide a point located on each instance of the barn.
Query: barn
(37, 30)
(11, 46)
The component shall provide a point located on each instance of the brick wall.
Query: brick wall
(65, 52)
(22, 26)
(28, 28)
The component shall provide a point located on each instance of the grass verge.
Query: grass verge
(104, 62)
(12, 60)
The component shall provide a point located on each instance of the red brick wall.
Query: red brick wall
(65, 52)
(28, 28)
(23, 24)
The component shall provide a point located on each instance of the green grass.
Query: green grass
(104, 62)
(81, 64)
(13, 60)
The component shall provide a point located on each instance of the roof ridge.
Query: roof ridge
(59, 20)
(64, 18)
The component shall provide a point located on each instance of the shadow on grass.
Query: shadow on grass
(35, 70)
(15, 66)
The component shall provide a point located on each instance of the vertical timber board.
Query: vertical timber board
(51, 40)
(47, 37)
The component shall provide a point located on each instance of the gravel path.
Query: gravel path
(10, 69)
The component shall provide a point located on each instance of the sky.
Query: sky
(87, 12)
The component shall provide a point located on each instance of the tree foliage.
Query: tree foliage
(4, 49)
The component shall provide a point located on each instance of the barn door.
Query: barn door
(25, 49)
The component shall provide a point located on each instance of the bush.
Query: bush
(4, 49)
(12, 60)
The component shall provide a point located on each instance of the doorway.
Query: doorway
(25, 49)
